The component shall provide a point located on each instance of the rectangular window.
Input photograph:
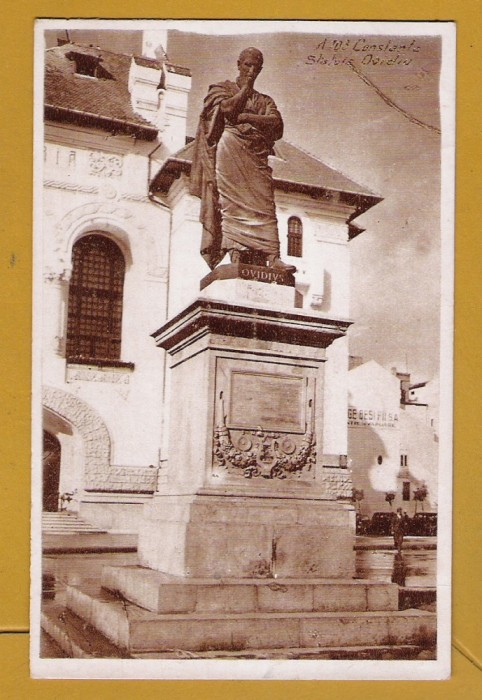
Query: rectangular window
(406, 491)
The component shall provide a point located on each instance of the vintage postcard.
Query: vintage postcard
(242, 401)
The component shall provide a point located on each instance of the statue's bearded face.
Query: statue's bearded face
(249, 65)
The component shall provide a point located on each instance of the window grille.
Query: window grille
(95, 300)
(406, 491)
(295, 237)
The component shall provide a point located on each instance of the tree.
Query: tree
(419, 495)
(390, 497)
(357, 495)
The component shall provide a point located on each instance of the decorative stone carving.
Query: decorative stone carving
(337, 483)
(104, 164)
(259, 453)
(91, 216)
(135, 197)
(90, 425)
(91, 210)
(96, 375)
(126, 479)
(70, 186)
(100, 475)
(109, 192)
(58, 277)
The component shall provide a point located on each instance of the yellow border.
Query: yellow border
(16, 50)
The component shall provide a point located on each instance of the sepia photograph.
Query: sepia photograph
(243, 329)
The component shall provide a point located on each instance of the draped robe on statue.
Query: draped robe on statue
(231, 175)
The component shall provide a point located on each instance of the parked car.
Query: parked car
(423, 524)
(381, 523)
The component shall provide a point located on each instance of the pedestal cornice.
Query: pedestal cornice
(294, 327)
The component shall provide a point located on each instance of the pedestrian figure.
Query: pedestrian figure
(398, 529)
(399, 571)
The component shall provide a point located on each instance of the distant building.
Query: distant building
(392, 444)
(121, 238)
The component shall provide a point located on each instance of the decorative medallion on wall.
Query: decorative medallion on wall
(105, 165)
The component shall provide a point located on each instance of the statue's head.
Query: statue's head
(250, 61)
(253, 53)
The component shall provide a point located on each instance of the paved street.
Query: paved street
(375, 558)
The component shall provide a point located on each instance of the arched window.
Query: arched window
(295, 237)
(95, 300)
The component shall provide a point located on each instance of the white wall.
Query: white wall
(379, 427)
(94, 182)
(420, 441)
(323, 276)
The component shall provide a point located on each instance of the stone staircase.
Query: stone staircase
(67, 523)
(148, 614)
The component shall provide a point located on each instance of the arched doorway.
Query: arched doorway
(51, 472)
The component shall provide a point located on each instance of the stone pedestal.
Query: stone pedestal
(247, 491)
(248, 544)
(217, 536)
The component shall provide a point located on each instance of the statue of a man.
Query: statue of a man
(230, 172)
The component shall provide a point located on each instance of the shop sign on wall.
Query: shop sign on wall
(360, 417)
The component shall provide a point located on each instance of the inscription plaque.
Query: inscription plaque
(269, 401)
(244, 271)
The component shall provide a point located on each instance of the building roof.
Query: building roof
(148, 62)
(294, 170)
(103, 102)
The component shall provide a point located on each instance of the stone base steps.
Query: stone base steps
(75, 638)
(75, 543)
(140, 631)
(72, 638)
(163, 594)
(65, 523)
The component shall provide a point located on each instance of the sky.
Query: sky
(380, 128)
